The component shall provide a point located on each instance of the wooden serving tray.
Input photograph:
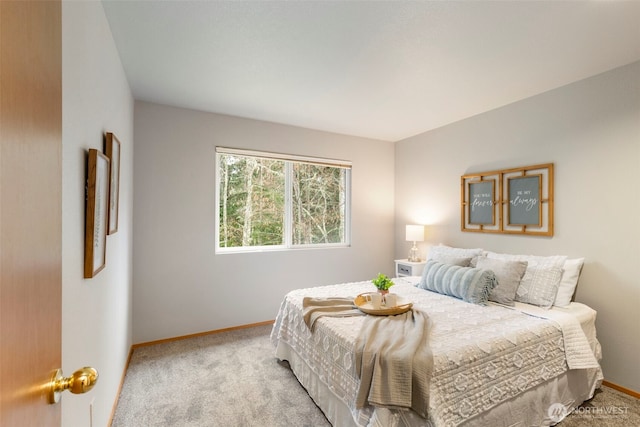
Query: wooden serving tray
(365, 306)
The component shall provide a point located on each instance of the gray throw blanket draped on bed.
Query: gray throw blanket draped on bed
(392, 355)
(395, 361)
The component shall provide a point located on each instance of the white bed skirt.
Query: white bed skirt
(530, 408)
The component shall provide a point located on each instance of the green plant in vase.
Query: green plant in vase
(383, 283)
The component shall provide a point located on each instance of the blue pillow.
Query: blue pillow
(469, 284)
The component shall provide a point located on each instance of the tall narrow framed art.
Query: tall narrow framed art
(512, 201)
(95, 241)
(112, 150)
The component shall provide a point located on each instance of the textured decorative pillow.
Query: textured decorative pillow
(539, 286)
(442, 252)
(508, 274)
(472, 285)
(570, 274)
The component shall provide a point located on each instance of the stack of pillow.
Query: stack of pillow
(544, 281)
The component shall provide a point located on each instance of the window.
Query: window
(276, 201)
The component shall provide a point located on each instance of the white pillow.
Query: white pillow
(554, 261)
(442, 253)
(570, 274)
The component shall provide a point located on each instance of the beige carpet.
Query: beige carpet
(607, 408)
(226, 379)
(233, 379)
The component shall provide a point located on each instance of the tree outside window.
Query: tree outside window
(267, 202)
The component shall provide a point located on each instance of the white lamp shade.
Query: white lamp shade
(415, 233)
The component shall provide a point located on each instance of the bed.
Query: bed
(491, 364)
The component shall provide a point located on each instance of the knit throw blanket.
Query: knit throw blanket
(392, 357)
(315, 308)
(395, 361)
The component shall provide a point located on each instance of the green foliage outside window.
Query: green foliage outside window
(253, 206)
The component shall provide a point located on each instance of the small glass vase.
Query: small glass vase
(384, 293)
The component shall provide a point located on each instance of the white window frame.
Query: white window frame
(288, 200)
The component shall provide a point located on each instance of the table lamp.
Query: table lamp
(414, 233)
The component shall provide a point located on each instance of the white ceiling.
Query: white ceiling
(384, 70)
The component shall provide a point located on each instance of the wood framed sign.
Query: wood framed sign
(524, 200)
(480, 206)
(521, 202)
(95, 239)
(112, 150)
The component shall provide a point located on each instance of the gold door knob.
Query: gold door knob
(81, 381)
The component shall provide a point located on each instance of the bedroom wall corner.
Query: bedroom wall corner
(590, 130)
(96, 317)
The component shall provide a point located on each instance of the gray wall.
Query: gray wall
(96, 315)
(181, 285)
(590, 130)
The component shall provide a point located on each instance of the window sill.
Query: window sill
(279, 248)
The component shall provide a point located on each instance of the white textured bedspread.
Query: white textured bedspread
(577, 349)
(482, 355)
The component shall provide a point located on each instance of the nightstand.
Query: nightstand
(408, 268)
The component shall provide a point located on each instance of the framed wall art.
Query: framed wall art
(522, 202)
(480, 210)
(524, 207)
(482, 195)
(112, 150)
(96, 218)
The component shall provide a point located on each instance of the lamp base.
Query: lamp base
(414, 255)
